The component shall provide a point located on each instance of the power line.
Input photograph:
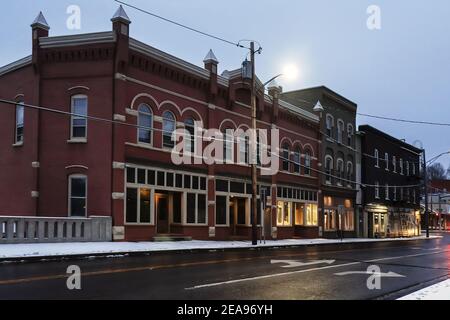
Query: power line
(405, 121)
(104, 120)
(236, 44)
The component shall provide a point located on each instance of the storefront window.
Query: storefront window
(311, 215)
(284, 213)
(221, 210)
(299, 214)
(329, 219)
(349, 224)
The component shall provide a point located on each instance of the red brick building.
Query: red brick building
(64, 165)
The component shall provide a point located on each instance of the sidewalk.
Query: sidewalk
(53, 250)
(439, 291)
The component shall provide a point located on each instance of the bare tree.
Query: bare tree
(437, 172)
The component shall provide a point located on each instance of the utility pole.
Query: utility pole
(254, 150)
(425, 182)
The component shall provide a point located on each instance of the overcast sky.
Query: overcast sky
(402, 70)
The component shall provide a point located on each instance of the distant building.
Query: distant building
(438, 204)
(390, 188)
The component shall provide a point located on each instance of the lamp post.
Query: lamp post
(425, 182)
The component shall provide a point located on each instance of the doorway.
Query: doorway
(162, 213)
(377, 225)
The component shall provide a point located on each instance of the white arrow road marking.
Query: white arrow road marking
(295, 263)
(389, 274)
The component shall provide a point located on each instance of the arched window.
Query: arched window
(20, 112)
(349, 173)
(189, 126)
(77, 195)
(307, 162)
(329, 125)
(350, 133)
(145, 120)
(78, 120)
(328, 169)
(340, 170)
(340, 131)
(228, 145)
(286, 159)
(296, 160)
(168, 129)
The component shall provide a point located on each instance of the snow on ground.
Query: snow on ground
(8, 251)
(439, 291)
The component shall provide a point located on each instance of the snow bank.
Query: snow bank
(439, 291)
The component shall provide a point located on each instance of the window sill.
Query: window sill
(77, 141)
(18, 145)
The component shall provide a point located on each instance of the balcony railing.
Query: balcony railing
(54, 230)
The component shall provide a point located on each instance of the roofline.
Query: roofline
(406, 145)
(330, 92)
(16, 65)
(77, 39)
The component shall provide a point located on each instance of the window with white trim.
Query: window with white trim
(307, 169)
(329, 125)
(387, 192)
(284, 213)
(394, 164)
(244, 148)
(386, 160)
(401, 166)
(145, 121)
(407, 168)
(377, 158)
(328, 169)
(297, 159)
(78, 122)
(340, 171)
(228, 145)
(395, 193)
(189, 126)
(340, 131)
(77, 195)
(169, 125)
(377, 190)
(350, 134)
(349, 173)
(19, 127)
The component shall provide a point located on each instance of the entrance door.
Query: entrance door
(162, 213)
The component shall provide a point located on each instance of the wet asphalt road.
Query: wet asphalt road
(325, 272)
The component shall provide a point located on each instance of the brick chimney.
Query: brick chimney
(40, 28)
(121, 26)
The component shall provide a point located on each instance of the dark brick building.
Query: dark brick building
(391, 185)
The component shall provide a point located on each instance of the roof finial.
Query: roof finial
(41, 22)
(121, 15)
(210, 57)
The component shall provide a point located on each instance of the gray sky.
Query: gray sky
(402, 70)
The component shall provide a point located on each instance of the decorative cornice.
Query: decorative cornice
(78, 39)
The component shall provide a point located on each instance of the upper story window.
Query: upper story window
(377, 190)
(349, 172)
(145, 120)
(228, 146)
(297, 156)
(395, 193)
(340, 131)
(328, 169)
(387, 191)
(386, 160)
(77, 195)
(394, 164)
(329, 126)
(189, 126)
(413, 168)
(350, 133)
(407, 168)
(340, 170)
(20, 117)
(168, 129)
(401, 166)
(307, 163)
(244, 147)
(376, 155)
(78, 119)
(286, 159)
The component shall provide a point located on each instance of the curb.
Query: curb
(109, 255)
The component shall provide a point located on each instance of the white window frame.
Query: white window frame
(73, 117)
(297, 157)
(328, 177)
(228, 136)
(407, 168)
(329, 125)
(377, 158)
(165, 133)
(69, 193)
(19, 105)
(340, 131)
(283, 213)
(349, 170)
(340, 169)
(350, 134)
(395, 193)
(386, 159)
(377, 190)
(149, 128)
(308, 162)
(394, 164)
(387, 192)
(401, 166)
